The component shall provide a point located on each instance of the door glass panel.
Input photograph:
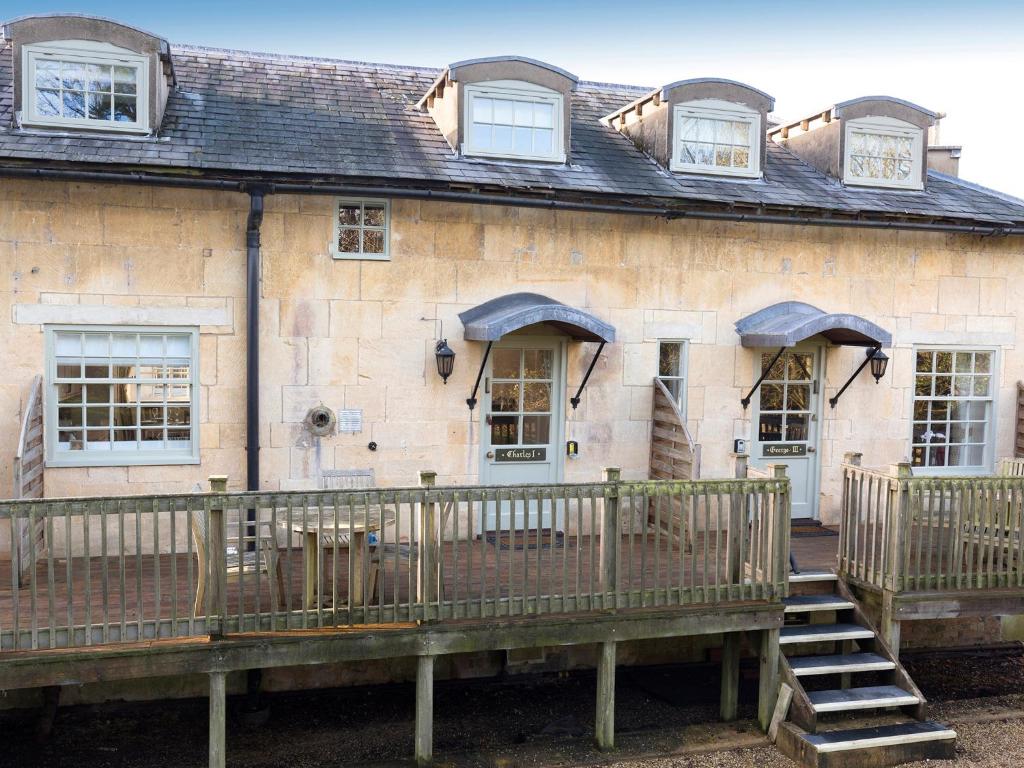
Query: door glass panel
(536, 430)
(786, 398)
(778, 369)
(796, 426)
(504, 430)
(506, 363)
(771, 397)
(770, 428)
(798, 397)
(800, 367)
(537, 363)
(536, 397)
(505, 398)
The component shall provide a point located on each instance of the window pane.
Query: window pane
(800, 367)
(537, 363)
(99, 106)
(505, 363)
(349, 215)
(482, 110)
(688, 128)
(348, 241)
(502, 138)
(524, 113)
(503, 112)
(543, 115)
(536, 397)
(983, 362)
(523, 141)
(373, 241)
(798, 397)
(543, 141)
(924, 361)
(124, 109)
(669, 359)
(74, 104)
(98, 77)
(796, 426)
(536, 430)
(373, 216)
(72, 76)
(48, 103)
(778, 370)
(125, 80)
(770, 428)
(504, 430)
(771, 397)
(505, 397)
(741, 158)
(48, 74)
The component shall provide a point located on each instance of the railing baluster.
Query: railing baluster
(51, 581)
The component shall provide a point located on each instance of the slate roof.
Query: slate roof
(237, 113)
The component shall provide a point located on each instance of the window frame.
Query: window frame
(682, 376)
(86, 52)
(987, 467)
(523, 91)
(112, 458)
(716, 109)
(885, 126)
(339, 254)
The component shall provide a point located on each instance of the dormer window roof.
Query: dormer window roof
(706, 126)
(871, 141)
(504, 107)
(80, 83)
(84, 73)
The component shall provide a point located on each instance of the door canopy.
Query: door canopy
(788, 323)
(498, 317)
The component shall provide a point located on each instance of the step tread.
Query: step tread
(878, 736)
(806, 576)
(807, 603)
(861, 698)
(810, 633)
(840, 663)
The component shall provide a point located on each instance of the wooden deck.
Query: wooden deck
(138, 591)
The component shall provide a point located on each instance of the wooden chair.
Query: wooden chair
(238, 560)
(382, 544)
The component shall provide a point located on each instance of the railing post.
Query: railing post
(889, 626)
(610, 538)
(216, 559)
(428, 582)
(780, 531)
(737, 527)
(846, 510)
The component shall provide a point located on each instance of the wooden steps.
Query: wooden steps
(870, 697)
(870, 688)
(839, 664)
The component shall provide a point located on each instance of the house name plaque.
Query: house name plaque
(784, 449)
(521, 454)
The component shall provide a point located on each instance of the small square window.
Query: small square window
(513, 120)
(883, 152)
(716, 137)
(362, 229)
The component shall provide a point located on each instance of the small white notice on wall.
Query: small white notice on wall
(350, 420)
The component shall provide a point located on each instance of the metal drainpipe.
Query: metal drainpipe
(252, 341)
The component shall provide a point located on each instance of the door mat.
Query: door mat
(531, 540)
(809, 529)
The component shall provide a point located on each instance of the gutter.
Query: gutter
(270, 187)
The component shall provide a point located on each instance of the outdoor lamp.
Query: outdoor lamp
(879, 362)
(445, 357)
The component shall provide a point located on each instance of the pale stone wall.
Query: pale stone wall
(353, 334)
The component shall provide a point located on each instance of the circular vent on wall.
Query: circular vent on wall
(321, 421)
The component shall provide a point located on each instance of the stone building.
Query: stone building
(162, 202)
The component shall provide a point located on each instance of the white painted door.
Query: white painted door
(523, 420)
(787, 422)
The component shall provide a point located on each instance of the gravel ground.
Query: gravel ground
(665, 717)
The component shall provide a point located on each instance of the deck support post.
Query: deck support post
(424, 739)
(610, 543)
(889, 626)
(218, 716)
(604, 726)
(729, 699)
(768, 690)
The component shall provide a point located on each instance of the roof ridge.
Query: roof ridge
(185, 47)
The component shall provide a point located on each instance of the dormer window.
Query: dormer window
(513, 120)
(716, 137)
(83, 84)
(883, 152)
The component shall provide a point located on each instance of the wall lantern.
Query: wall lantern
(445, 357)
(879, 362)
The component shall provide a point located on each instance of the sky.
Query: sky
(964, 59)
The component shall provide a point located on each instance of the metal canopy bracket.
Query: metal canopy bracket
(471, 400)
(867, 359)
(575, 399)
(764, 375)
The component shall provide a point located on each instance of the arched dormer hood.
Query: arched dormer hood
(702, 125)
(138, 88)
(504, 108)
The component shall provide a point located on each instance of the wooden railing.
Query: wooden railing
(674, 455)
(28, 474)
(135, 568)
(901, 532)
